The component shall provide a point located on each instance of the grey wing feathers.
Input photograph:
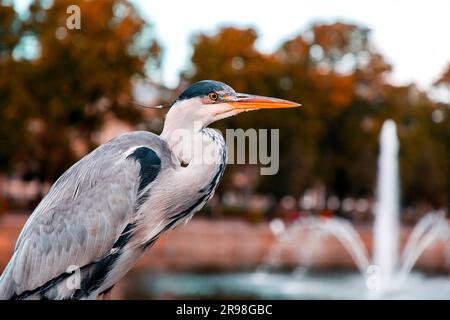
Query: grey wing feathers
(83, 215)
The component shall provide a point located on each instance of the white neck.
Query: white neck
(185, 133)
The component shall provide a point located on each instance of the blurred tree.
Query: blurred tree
(340, 78)
(424, 152)
(440, 115)
(61, 83)
(11, 32)
(445, 78)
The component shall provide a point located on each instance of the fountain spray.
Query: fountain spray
(386, 226)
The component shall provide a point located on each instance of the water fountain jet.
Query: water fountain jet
(393, 268)
(386, 225)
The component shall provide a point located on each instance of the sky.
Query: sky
(412, 34)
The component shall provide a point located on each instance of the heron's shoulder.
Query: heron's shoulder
(137, 138)
(128, 141)
(111, 158)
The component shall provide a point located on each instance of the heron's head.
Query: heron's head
(208, 101)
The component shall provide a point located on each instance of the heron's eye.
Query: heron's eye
(213, 96)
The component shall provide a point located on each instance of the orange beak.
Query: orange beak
(252, 102)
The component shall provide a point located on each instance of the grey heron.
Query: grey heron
(103, 213)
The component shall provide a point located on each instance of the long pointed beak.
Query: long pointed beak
(252, 102)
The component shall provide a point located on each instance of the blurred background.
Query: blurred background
(352, 65)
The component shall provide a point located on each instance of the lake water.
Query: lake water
(286, 286)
